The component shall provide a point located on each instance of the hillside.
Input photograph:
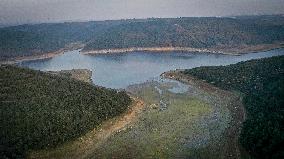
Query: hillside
(237, 34)
(27, 40)
(213, 33)
(262, 83)
(40, 110)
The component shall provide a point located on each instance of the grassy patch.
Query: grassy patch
(158, 134)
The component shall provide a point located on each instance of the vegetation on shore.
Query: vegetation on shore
(262, 83)
(40, 110)
(173, 124)
(222, 34)
(87, 143)
(229, 34)
(158, 133)
(84, 75)
(35, 40)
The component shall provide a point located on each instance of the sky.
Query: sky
(14, 12)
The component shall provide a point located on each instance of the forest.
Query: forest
(262, 84)
(41, 110)
(205, 32)
(27, 40)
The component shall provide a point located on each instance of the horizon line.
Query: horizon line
(126, 19)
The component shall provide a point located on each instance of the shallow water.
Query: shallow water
(186, 118)
(121, 70)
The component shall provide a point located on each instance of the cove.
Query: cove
(118, 71)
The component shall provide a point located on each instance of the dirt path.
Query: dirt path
(82, 147)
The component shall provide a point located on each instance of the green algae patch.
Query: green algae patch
(159, 133)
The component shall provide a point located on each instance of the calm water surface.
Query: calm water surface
(122, 70)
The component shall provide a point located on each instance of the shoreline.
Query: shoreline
(33, 57)
(236, 109)
(43, 56)
(83, 146)
(225, 51)
(152, 49)
(83, 75)
(232, 51)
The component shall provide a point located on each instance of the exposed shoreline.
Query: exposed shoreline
(34, 57)
(236, 108)
(83, 75)
(224, 51)
(47, 55)
(85, 145)
(152, 49)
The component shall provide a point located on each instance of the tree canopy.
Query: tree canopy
(262, 83)
(40, 110)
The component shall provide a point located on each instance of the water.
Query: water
(121, 70)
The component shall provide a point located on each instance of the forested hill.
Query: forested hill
(206, 32)
(38, 39)
(40, 110)
(262, 83)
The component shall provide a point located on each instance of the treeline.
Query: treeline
(40, 110)
(262, 83)
(27, 40)
(206, 32)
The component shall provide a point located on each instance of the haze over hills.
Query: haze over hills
(42, 111)
(132, 100)
(224, 33)
(49, 11)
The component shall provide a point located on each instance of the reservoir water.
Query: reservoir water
(121, 70)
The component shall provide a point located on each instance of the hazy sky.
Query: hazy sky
(36, 11)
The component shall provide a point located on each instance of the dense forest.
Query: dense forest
(206, 32)
(262, 83)
(26, 40)
(40, 110)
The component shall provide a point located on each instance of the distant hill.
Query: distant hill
(27, 40)
(228, 33)
(40, 110)
(192, 32)
(262, 84)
